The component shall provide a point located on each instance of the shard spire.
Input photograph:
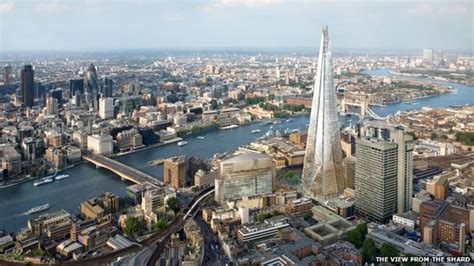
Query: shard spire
(322, 170)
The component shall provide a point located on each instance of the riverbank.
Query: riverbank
(424, 75)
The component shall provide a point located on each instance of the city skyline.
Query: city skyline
(244, 24)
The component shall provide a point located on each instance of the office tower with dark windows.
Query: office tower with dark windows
(322, 171)
(58, 95)
(384, 170)
(107, 88)
(76, 85)
(27, 86)
(7, 75)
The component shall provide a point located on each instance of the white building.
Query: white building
(51, 106)
(100, 144)
(407, 219)
(106, 108)
(254, 232)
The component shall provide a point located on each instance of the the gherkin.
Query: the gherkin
(322, 171)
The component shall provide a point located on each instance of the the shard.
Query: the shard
(322, 170)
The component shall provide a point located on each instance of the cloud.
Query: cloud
(219, 4)
(50, 6)
(173, 17)
(444, 9)
(6, 6)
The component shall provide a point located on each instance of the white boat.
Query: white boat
(43, 181)
(201, 137)
(182, 143)
(229, 127)
(38, 209)
(59, 177)
(255, 131)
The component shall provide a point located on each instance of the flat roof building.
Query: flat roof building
(243, 175)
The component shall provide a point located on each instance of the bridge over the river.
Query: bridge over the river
(124, 171)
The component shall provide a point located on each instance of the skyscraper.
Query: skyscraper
(428, 55)
(92, 80)
(51, 106)
(27, 85)
(107, 89)
(384, 170)
(76, 85)
(7, 74)
(322, 170)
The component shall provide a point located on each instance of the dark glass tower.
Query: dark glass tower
(76, 85)
(27, 86)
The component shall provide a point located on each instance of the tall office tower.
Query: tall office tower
(428, 55)
(107, 89)
(58, 95)
(7, 75)
(175, 171)
(106, 108)
(27, 85)
(244, 175)
(349, 166)
(92, 80)
(76, 85)
(384, 170)
(51, 106)
(322, 171)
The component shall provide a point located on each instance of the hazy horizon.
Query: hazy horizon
(49, 25)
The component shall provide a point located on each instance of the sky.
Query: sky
(188, 24)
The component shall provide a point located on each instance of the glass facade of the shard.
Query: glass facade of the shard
(322, 171)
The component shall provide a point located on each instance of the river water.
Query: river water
(87, 181)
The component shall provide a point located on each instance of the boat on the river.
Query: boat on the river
(59, 177)
(201, 137)
(182, 143)
(38, 209)
(43, 182)
(255, 131)
(229, 127)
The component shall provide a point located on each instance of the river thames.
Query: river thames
(87, 181)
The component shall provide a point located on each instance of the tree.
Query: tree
(465, 137)
(38, 252)
(357, 236)
(271, 97)
(369, 250)
(433, 135)
(160, 224)
(362, 229)
(388, 250)
(173, 204)
(132, 226)
(354, 236)
(214, 104)
(125, 202)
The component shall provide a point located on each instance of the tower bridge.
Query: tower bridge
(363, 105)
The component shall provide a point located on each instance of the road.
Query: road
(214, 253)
